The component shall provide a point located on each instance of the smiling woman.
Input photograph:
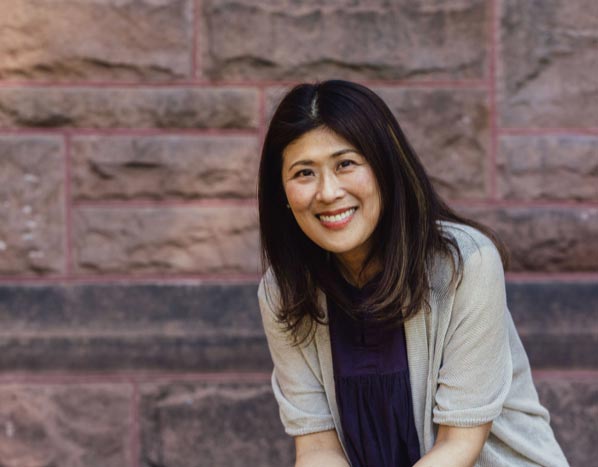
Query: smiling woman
(385, 311)
(333, 194)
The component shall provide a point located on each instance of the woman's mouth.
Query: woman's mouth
(337, 220)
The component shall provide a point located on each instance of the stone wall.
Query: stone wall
(130, 133)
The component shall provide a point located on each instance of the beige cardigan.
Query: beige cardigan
(467, 365)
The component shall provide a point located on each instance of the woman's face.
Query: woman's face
(332, 192)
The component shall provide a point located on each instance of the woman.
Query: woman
(385, 311)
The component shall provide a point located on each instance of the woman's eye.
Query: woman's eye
(345, 163)
(303, 173)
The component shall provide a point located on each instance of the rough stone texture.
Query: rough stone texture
(164, 167)
(556, 322)
(212, 424)
(549, 63)
(220, 239)
(447, 128)
(114, 327)
(129, 107)
(548, 239)
(70, 425)
(218, 327)
(449, 131)
(31, 205)
(256, 39)
(548, 167)
(573, 407)
(99, 40)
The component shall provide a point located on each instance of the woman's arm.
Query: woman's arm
(456, 446)
(320, 449)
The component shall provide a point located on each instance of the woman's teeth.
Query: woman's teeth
(338, 217)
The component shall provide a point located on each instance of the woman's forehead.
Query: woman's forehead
(315, 143)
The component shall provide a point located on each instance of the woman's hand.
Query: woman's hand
(456, 446)
(320, 449)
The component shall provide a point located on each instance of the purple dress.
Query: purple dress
(372, 386)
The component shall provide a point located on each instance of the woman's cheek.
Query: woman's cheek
(298, 196)
(365, 180)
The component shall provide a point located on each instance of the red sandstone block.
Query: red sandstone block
(164, 167)
(378, 39)
(548, 239)
(548, 167)
(75, 425)
(573, 406)
(217, 424)
(548, 64)
(31, 205)
(449, 130)
(99, 40)
(129, 107)
(202, 240)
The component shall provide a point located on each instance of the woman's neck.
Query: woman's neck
(352, 270)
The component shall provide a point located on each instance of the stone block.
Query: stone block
(164, 167)
(71, 425)
(200, 327)
(175, 107)
(573, 406)
(106, 327)
(212, 424)
(449, 130)
(548, 239)
(129, 40)
(314, 40)
(200, 240)
(31, 205)
(548, 167)
(548, 73)
(556, 322)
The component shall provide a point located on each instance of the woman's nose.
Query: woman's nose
(329, 189)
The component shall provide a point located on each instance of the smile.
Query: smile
(337, 220)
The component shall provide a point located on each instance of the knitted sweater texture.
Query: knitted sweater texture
(467, 364)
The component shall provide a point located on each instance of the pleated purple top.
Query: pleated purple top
(373, 392)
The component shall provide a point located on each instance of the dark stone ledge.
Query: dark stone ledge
(107, 327)
(557, 322)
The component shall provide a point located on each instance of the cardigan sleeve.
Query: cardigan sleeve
(476, 371)
(296, 378)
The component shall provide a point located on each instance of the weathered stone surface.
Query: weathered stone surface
(549, 66)
(113, 327)
(199, 424)
(162, 167)
(129, 107)
(447, 128)
(547, 239)
(449, 131)
(556, 322)
(31, 205)
(70, 425)
(220, 239)
(145, 350)
(548, 167)
(378, 39)
(197, 327)
(573, 406)
(99, 40)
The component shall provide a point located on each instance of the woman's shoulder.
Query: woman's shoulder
(477, 252)
(469, 240)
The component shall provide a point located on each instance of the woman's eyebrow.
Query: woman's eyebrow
(308, 162)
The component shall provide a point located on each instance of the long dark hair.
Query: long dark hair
(407, 235)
